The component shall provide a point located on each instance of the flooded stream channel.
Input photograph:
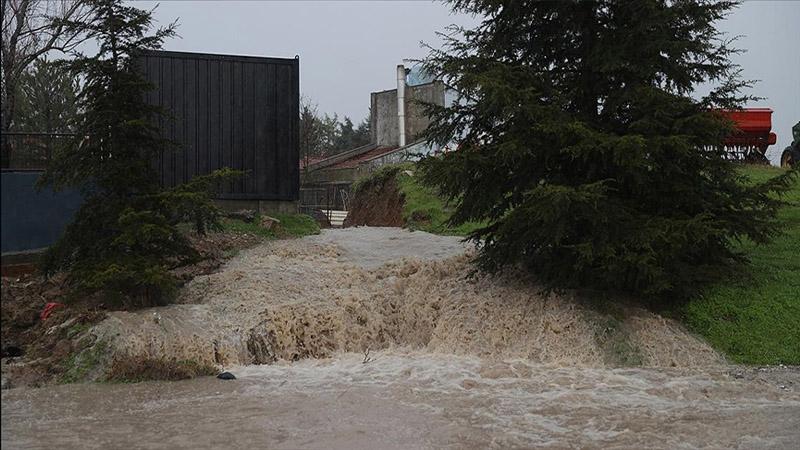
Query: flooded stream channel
(415, 400)
(454, 361)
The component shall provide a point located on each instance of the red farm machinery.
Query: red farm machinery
(752, 136)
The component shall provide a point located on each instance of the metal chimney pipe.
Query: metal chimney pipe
(401, 104)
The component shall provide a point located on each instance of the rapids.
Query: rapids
(384, 338)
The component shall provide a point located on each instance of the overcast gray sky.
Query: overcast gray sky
(348, 49)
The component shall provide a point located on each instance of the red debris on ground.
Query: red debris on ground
(48, 309)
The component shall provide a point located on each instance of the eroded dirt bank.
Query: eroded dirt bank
(378, 205)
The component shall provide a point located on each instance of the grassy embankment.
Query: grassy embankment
(423, 209)
(752, 320)
(756, 319)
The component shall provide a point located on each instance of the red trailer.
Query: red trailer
(753, 136)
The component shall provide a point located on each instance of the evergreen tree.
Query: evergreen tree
(346, 138)
(350, 137)
(362, 134)
(325, 135)
(47, 99)
(329, 134)
(124, 239)
(582, 148)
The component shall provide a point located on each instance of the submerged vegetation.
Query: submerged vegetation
(79, 365)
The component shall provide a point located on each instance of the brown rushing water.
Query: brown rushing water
(438, 378)
(411, 400)
(352, 289)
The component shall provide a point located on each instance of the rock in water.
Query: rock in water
(226, 376)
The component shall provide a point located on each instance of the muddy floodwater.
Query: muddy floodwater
(382, 338)
(411, 401)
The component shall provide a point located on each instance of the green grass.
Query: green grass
(756, 319)
(425, 210)
(292, 225)
(78, 366)
(77, 329)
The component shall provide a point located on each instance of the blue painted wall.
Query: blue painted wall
(33, 219)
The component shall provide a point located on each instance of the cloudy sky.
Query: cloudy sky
(348, 49)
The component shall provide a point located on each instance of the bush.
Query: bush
(377, 178)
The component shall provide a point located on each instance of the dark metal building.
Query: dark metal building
(240, 112)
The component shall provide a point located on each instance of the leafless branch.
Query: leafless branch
(32, 29)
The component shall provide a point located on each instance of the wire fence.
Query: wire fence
(325, 199)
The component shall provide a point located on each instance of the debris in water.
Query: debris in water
(367, 358)
(226, 376)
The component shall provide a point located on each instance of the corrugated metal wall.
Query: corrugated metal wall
(229, 111)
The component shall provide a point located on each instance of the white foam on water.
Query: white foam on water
(454, 361)
(413, 399)
(314, 297)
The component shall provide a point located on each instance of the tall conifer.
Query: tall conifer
(582, 146)
(124, 239)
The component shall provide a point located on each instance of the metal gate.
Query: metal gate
(330, 199)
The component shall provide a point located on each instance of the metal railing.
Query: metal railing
(325, 198)
(29, 151)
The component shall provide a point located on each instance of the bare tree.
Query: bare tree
(33, 28)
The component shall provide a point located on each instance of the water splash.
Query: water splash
(310, 298)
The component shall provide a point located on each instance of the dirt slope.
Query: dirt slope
(378, 205)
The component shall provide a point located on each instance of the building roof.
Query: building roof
(311, 161)
(358, 159)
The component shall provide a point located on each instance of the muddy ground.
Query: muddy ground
(36, 352)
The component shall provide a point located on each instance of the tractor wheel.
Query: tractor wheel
(790, 157)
